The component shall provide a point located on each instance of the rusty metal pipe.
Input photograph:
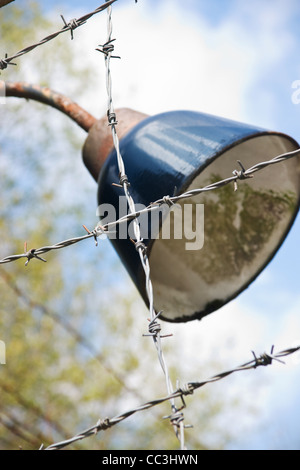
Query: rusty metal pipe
(51, 98)
(99, 142)
(5, 2)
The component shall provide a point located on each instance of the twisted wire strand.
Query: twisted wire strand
(108, 49)
(263, 360)
(177, 417)
(106, 229)
(73, 24)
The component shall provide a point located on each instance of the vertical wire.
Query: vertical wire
(138, 242)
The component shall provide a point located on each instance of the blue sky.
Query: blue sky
(226, 57)
(234, 59)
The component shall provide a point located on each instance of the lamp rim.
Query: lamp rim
(215, 305)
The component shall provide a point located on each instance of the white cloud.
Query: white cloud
(177, 60)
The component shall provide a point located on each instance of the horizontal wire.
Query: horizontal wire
(73, 24)
(176, 417)
(105, 229)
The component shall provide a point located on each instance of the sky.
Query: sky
(238, 60)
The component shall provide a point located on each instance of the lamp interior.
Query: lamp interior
(242, 230)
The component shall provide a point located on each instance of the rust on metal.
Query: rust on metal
(51, 98)
(99, 142)
(5, 2)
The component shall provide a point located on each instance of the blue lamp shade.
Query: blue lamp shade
(209, 248)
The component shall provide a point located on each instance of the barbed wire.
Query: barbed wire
(263, 360)
(154, 327)
(106, 229)
(69, 327)
(71, 26)
(35, 253)
(177, 417)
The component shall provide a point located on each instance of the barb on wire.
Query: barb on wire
(102, 425)
(35, 252)
(4, 63)
(154, 327)
(30, 254)
(73, 24)
(171, 200)
(241, 175)
(105, 229)
(108, 48)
